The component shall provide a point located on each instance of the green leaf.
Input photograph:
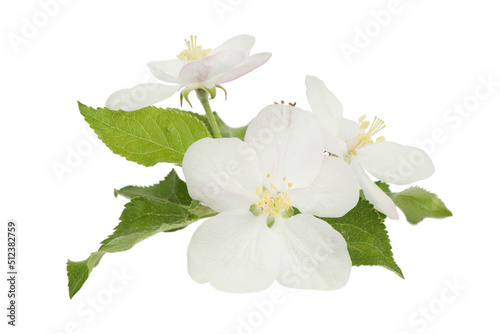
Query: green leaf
(146, 136)
(171, 189)
(78, 272)
(164, 207)
(366, 236)
(417, 204)
(225, 130)
(142, 218)
(384, 186)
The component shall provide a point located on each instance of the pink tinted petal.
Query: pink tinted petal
(241, 43)
(246, 66)
(193, 72)
(222, 62)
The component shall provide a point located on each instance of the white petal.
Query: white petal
(140, 96)
(314, 255)
(289, 144)
(242, 43)
(247, 65)
(222, 62)
(348, 129)
(333, 144)
(235, 251)
(373, 193)
(193, 72)
(166, 70)
(324, 104)
(394, 163)
(334, 192)
(222, 173)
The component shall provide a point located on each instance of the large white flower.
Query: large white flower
(255, 184)
(354, 141)
(193, 68)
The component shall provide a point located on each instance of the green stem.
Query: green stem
(203, 97)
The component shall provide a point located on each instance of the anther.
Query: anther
(364, 125)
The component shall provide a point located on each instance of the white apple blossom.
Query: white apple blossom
(254, 184)
(193, 68)
(354, 141)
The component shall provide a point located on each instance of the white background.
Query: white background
(428, 58)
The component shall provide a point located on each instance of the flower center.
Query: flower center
(365, 135)
(273, 202)
(193, 51)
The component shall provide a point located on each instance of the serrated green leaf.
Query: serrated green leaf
(366, 237)
(164, 207)
(78, 272)
(170, 189)
(384, 186)
(417, 204)
(141, 219)
(146, 136)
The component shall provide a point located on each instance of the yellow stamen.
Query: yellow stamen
(273, 203)
(193, 51)
(268, 175)
(377, 125)
(366, 134)
(259, 190)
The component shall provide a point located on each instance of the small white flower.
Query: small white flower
(193, 68)
(389, 162)
(255, 184)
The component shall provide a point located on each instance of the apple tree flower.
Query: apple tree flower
(194, 68)
(356, 143)
(255, 184)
